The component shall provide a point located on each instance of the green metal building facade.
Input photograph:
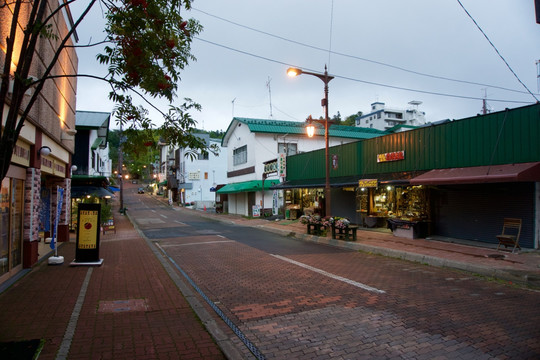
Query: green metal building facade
(492, 143)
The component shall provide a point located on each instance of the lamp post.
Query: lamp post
(326, 122)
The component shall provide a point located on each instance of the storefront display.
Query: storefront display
(303, 201)
(377, 204)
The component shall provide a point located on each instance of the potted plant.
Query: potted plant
(339, 225)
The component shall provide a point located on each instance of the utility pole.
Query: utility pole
(270, 95)
(120, 166)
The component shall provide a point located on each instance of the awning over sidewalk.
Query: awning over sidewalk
(480, 174)
(396, 178)
(247, 186)
(83, 191)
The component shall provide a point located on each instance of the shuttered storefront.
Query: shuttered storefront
(476, 211)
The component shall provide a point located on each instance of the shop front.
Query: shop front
(303, 201)
(403, 208)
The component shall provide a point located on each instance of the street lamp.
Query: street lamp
(324, 103)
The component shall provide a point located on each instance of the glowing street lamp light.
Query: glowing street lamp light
(311, 129)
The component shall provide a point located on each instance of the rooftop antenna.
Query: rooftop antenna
(270, 95)
(233, 106)
(538, 74)
(485, 107)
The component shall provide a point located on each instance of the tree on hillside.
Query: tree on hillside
(148, 45)
(351, 119)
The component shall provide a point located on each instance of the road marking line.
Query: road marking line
(165, 216)
(330, 275)
(197, 243)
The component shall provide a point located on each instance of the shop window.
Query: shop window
(11, 223)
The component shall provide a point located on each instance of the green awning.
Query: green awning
(247, 186)
(163, 183)
(97, 143)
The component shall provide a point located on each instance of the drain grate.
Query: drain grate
(496, 256)
(116, 306)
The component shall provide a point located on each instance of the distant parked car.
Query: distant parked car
(140, 190)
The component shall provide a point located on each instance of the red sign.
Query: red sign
(392, 156)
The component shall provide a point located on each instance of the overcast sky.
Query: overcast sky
(391, 51)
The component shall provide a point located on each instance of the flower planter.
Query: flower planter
(316, 229)
(344, 233)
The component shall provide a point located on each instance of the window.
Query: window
(205, 175)
(203, 156)
(11, 223)
(287, 148)
(240, 155)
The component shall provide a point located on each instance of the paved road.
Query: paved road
(296, 300)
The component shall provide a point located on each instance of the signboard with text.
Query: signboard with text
(88, 230)
(368, 183)
(391, 156)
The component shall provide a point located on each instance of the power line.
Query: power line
(496, 50)
(362, 81)
(361, 58)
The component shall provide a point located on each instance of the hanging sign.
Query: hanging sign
(335, 161)
(368, 183)
(282, 165)
(88, 230)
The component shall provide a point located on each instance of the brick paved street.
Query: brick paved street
(131, 310)
(298, 301)
(292, 312)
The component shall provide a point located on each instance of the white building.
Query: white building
(383, 117)
(198, 176)
(252, 142)
(91, 144)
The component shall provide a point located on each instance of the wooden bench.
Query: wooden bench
(345, 233)
(510, 234)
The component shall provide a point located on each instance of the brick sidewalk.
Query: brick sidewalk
(132, 309)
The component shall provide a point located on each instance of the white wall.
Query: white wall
(215, 169)
(262, 147)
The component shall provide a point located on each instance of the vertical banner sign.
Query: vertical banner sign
(275, 203)
(282, 165)
(60, 199)
(45, 214)
(88, 230)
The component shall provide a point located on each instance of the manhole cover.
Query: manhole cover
(122, 305)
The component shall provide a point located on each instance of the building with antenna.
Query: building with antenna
(383, 117)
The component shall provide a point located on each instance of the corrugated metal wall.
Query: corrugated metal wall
(500, 138)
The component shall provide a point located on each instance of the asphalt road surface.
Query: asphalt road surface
(282, 298)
